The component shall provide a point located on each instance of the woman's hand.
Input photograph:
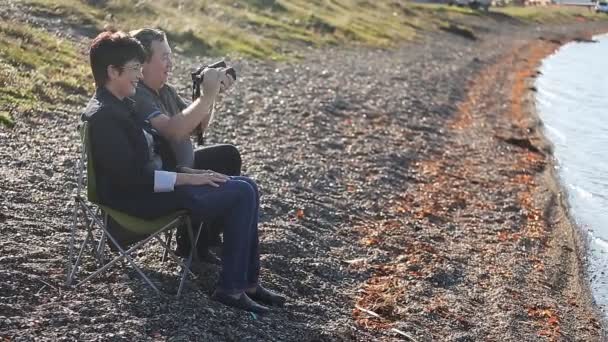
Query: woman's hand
(200, 177)
(184, 169)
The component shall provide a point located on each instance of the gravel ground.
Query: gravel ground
(390, 182)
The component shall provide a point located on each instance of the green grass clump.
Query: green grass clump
(6, 119)
(551, 14)
(38, 71)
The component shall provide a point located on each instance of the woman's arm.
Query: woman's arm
(113, 153)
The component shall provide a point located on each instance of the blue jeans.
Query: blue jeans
(235, 203)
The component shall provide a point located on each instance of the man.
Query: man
(171, 125)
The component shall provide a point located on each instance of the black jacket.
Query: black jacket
(120, 154)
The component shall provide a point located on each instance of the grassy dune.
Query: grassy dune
(262, 28)
(39, 70)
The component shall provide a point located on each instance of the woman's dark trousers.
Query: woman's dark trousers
(225, 159)
(236, 205)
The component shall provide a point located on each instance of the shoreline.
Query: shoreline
(552, 195)
(561, 260)
(560, 209)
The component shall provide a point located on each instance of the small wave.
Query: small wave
(582, 193)
(601, 244)
(554, 132)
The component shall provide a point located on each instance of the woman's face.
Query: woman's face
(124, 79)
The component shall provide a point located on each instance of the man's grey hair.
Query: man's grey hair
(146, 36)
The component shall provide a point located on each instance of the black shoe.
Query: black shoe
(267, 297)
(243, 302)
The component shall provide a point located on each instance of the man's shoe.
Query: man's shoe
(243, 302)
(267, 297)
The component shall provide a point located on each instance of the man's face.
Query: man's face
(125, 78)
(156, 70)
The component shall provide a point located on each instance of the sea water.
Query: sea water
(572, 101)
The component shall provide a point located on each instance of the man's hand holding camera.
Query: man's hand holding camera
(211, 79)
(215, 80)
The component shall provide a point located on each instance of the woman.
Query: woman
(130, 175)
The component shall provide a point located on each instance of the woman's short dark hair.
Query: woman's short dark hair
(113, 48)
(146, 36)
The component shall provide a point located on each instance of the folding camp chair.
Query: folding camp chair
(94, 214)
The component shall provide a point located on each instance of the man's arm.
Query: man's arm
(179, 127)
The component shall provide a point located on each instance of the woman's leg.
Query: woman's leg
(233, 203)
(254, 290)
(253, 271)
(241, 260)
(254, 261)
(225, 159)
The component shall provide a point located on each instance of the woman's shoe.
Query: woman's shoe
(266, 296)
(243, 302)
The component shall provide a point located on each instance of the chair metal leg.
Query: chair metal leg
(123, 254)
(92, 218)
(87, 240)
(101, 247)
(70, 267)
(88, 216)
(174, 256)
(198, 236)
(169, 238)
(193, 251)
(126, 254)
(189, 260)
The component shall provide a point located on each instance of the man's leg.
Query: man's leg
(225, 159)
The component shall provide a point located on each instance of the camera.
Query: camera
(197, 80)
(198, 76)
